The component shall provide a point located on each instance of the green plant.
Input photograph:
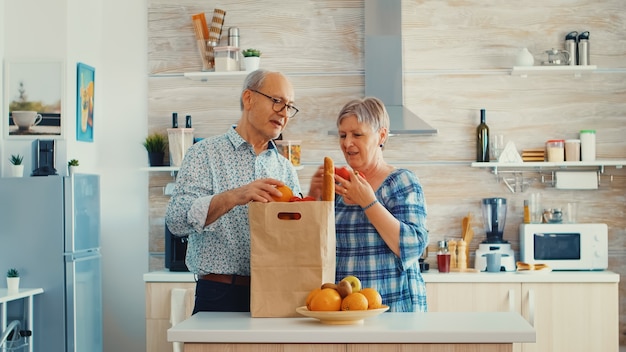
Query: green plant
(73, 162)
(251, 52)
(16, 159)
(13, 273)
(155, 143)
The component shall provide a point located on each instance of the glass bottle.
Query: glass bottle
(174, 120)
(526, 212)
(482, 139)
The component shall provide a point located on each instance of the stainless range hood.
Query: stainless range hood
(383, 65)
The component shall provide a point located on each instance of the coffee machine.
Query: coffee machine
(43, 150)
(494, 216)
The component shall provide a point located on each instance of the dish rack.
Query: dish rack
(13, 339)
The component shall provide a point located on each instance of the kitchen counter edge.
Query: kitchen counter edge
(471, 277)
(395, 328)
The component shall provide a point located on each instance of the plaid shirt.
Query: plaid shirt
(363, 253)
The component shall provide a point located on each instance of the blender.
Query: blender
(494, 216)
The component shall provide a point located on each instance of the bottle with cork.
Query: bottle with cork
(482, 139)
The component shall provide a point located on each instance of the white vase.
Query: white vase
(251, 63)
(13, 284)
(72, 170)
(17, 170)
(524, 58)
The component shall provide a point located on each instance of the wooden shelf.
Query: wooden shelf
(176, 168)
(205, 76)
(160, 168)
(577, 71)
(618, 163)
(516, 181)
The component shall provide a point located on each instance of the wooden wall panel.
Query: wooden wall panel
(457, 58)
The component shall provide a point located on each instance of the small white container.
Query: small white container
(588, 145)
(226, 58)
(572, 150)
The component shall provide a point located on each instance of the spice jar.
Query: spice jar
(226, 58)
(555, 149)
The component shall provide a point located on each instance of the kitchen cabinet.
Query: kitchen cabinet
(158, 312)
(567, 316)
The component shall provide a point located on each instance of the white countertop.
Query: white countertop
(435, 276)
(227, 327)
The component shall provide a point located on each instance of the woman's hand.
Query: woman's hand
(356, 190)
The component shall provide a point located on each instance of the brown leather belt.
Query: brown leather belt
(227, 279)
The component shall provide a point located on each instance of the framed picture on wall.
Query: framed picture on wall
(33, 99)
(85, 81)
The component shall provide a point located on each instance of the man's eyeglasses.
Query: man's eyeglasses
(279, 105)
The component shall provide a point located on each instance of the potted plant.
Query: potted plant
(17, 168)
(13, 280)
(251, 59)
(155, 144)
(72, 165)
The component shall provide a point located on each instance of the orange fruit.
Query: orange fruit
(374, 300)
(354, 301)
(328, 299)
(310, 297)
(287, 194)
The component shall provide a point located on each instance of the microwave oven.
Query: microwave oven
(565, 246)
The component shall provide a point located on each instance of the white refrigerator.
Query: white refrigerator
(50, 232)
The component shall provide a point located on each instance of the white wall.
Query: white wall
(111, 36)
(120, 153)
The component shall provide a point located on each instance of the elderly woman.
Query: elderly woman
(380, 211)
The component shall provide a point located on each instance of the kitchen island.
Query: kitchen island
(570, 311)
(433, 332)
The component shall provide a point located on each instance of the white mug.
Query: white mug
(25, 119)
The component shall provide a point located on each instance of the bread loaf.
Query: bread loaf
(527, 266)
(328, 185)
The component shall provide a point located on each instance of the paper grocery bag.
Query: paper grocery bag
(292, 251)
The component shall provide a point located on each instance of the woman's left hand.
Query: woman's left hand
(356, 190)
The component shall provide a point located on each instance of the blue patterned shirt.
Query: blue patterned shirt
(363, 253)
(211, 166)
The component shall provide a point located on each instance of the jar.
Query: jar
(572, 150)
(443, 257)
(226, 58)
(587, 145)
(555, 150)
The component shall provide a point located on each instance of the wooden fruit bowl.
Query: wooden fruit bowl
(344, 317)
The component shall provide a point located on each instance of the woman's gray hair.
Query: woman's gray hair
(369, 110)
(254, 80)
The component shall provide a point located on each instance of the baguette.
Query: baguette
(328, 185)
